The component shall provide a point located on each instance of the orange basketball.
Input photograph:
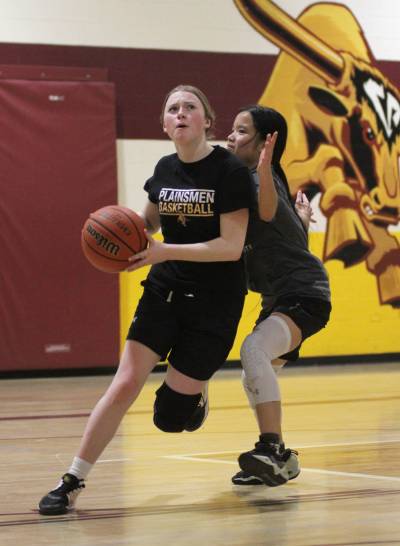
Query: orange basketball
(110, 236)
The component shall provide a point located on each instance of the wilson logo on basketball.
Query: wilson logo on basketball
(102, 241)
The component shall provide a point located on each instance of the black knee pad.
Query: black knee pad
(172, 409)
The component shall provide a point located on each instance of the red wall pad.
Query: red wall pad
(57, 164)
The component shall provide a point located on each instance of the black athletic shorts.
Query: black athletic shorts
(309, 314)
(194, 331)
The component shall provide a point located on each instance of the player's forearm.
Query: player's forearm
(151, 222)
(267, 196)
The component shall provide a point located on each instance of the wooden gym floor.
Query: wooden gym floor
(151, 488)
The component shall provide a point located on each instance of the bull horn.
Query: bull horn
(292, 37)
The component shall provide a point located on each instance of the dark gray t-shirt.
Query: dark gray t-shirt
(277, 257)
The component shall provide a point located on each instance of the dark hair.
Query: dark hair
(267, 120)
(208, 111)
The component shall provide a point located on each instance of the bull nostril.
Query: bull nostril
(375, 197)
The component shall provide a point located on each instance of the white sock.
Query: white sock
(80, 468)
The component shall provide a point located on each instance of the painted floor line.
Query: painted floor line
(307, 446)
(311, 470)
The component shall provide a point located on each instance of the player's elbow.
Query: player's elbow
(235, 253)
(267, 214)
(267, 217)
(236, 256)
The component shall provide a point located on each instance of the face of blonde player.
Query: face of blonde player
(184, 119)
(244, 141)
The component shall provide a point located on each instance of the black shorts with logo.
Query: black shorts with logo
(309, 314)
(194, 331)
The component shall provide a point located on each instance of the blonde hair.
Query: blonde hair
(208, 111)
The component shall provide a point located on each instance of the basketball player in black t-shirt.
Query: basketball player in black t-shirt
(293, 283)
(193, 296)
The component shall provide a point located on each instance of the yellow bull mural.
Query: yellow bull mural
(344, 126)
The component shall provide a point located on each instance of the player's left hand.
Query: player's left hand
(304, 209)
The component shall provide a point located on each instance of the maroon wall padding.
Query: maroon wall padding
(57, 164)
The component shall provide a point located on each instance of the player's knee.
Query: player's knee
(248, 391)
(246, 348)
(172, 409)
(123, 392)
(252, 356)
(259, 378)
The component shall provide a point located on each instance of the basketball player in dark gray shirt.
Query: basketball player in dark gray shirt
(292, 281)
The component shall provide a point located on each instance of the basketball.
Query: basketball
(110, 236)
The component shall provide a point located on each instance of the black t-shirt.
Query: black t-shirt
(277, 256)
(190, 198)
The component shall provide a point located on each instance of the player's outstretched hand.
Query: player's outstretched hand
(265, 158)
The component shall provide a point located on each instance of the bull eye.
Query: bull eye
(369, 134)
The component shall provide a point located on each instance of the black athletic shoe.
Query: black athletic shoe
(200, 413)
(62, 499)
(267, 462)
(293, 467)
(242, 478)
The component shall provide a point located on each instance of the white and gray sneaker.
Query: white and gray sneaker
(267, 464)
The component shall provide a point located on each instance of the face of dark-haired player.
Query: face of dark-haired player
(244, 141)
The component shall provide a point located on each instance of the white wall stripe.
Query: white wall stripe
(209, 25)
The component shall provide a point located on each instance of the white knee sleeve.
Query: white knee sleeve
(249, 394)
(269, 340)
